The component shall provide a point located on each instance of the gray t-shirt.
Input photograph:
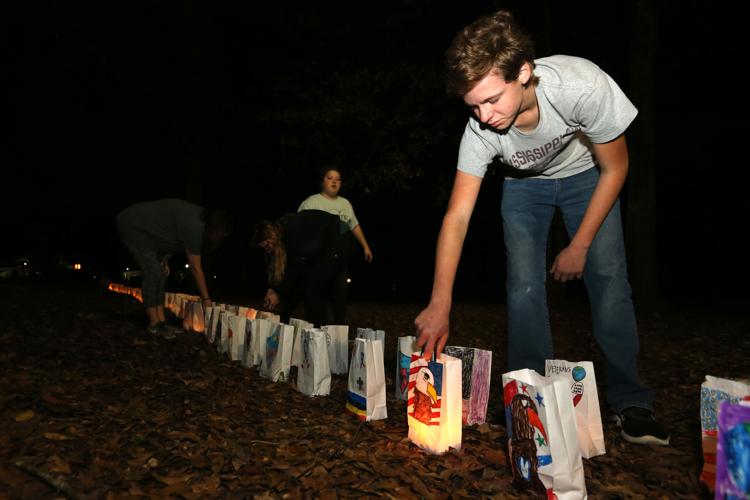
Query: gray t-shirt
(579, 104)
(166, 226)
(339, 206)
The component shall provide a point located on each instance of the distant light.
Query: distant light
(94, 276)
(127, 269)
(25, 263)
(77, 267)
(187, 266)
(214, 276)
(348, 280)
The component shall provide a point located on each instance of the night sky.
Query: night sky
(238, 106)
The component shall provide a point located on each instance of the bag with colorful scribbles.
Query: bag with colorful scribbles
(338, 347)
(277, 361)
(713, 391)
(299, 325)
(581, 379)
(433, 408)
(542, 438)
(733, 451)
(403, 360)
(476, 367)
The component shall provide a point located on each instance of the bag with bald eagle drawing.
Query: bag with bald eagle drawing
(542, 439)
(433, 407)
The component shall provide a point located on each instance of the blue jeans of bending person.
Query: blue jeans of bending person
(528, 206)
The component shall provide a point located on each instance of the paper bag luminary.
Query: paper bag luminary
(434, 404)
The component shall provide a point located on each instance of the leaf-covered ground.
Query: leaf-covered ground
(91, 406)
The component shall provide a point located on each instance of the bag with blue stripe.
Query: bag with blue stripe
(365, 396)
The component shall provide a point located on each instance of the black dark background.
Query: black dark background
(237, 105)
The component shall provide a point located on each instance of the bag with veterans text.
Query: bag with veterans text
(582, 381)
(433, 409)
(542, 437)
(365, 396)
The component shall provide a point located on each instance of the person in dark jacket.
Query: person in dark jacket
(155, 230)
(303, 256)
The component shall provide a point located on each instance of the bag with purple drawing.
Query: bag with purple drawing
(733, 451)
(476, 367)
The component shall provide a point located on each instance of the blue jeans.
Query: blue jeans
(528, 206)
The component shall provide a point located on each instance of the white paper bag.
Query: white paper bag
(542, 437)
(299, 325)
(276, 364)
(214, 333)
(365, 396)
(222, 344)
(338, 347)
(314, 374)
(372, 334)
(187, 315)
(236, 334)
(261, 331)
(582, 382)
(434, 406)
(198, 322)
(403, 360)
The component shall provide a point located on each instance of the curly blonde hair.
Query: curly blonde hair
(276, 259)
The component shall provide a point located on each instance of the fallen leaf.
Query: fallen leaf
(57, 464)
(25, 416)
(54, 436)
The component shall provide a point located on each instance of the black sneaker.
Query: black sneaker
(639, 425)
(160, 331)
(173, 328)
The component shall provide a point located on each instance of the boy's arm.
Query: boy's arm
(196, 268)
(360, 237)
(433, 322)
(612, 157)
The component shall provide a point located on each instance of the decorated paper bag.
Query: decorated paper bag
(214, 332)
(223, 342)
(371, 334)
(274, 318)
(713, 391)
(198, 322)
(434, 406)
(276, 364)
(365, 396)
(733, 451)
(582, 382)
(476, 367)
(403, 360)
(261, 331)
(208, 318)
(187, 316)
(248, 341)
(542, 437)
(314, 374)
(338, 347)
(299, 325)
(236, 335)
